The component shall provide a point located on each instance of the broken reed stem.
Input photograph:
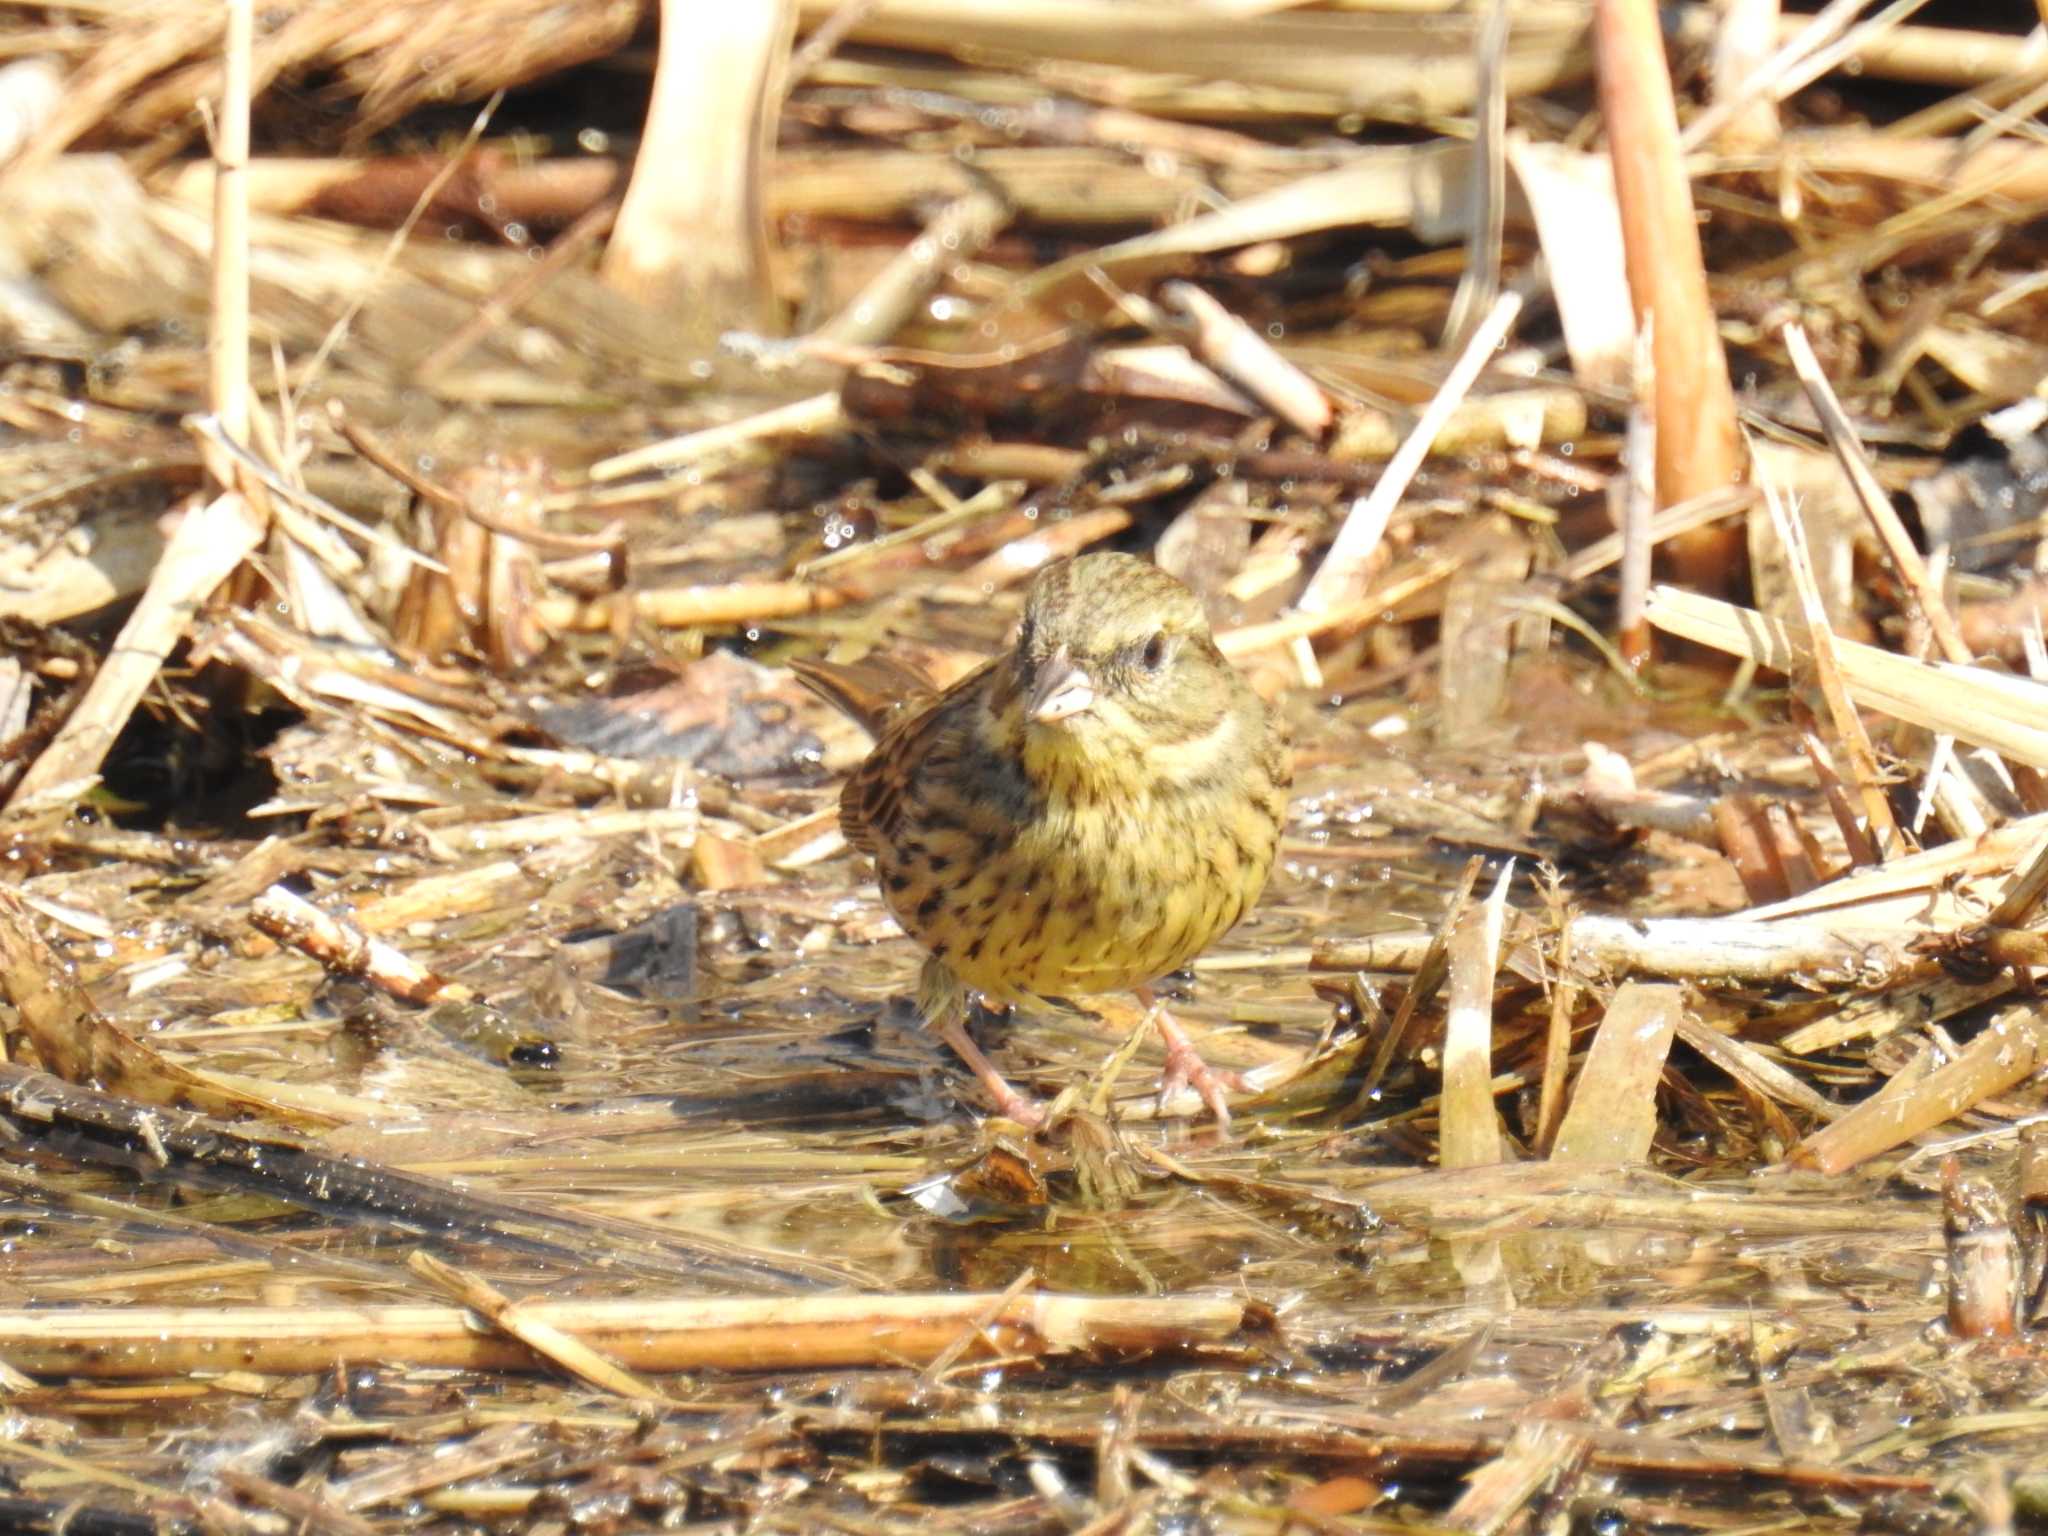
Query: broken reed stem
(1429, 976)
(515, 1319)
(1884, 831)
(1480, 281)
(742, 602)
(1974, 704)
(1468, 1125)
(2011, 1049)
(1241, 357)
(1984, 1264)
(228, 336)
(1759, 85)
(1557, 1045)
(810, 417)
(1742, 46)
(344, 948)
(825, 40)
(691, 242)
(1613, 1112)
(210, 542)
(1855, 839)
(958, 232)
(934, 1373)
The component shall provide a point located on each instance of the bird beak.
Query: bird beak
(1062, 690)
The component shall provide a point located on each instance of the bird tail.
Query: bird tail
(870, 692)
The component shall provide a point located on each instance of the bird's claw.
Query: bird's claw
(1186, 1069)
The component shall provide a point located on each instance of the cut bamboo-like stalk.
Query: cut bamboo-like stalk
(643, 1334)
(690, 242)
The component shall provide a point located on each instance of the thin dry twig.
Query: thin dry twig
(227, 342)
(1920, 583)
(1351, 551)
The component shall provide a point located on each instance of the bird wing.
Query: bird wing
(910, 721)
(871, 805)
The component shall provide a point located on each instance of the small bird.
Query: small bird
(1082, 815)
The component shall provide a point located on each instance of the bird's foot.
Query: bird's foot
(1186, 1069)
(1009, 1102)
(1013, 1104)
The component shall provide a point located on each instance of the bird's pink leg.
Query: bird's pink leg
(1017, 1106)
(1184, 1064)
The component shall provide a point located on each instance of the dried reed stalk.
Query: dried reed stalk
(1721, 950)
(1404, 65)
(1639, 502)
(1973, 704)
(1697, 446)
(814, 416)
(643, 1333)
(740, 602)
(1919, 582)
(71, 1038)
(515, 1320)
(957, 233)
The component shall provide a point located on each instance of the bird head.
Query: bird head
(1114, 663)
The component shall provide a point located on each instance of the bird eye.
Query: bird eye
(1154, 655)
